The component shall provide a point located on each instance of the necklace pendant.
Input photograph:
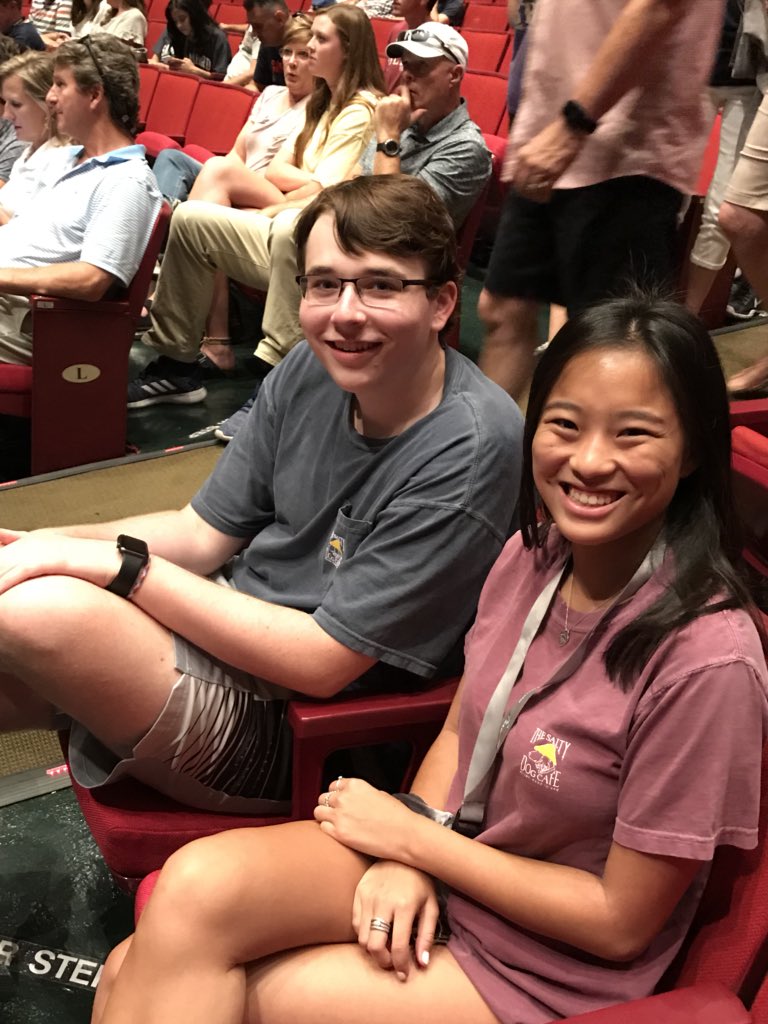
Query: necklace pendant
(565, 636)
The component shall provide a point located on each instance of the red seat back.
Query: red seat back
(148, 78)
(486, 49)
(486, 96)
(218, 114)
(137, 829)
(486, 18)
(382, 29)
(172, 104)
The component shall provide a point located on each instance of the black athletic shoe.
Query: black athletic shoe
(166, 380)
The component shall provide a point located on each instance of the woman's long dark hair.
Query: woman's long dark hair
(702, 528)
(201, 22)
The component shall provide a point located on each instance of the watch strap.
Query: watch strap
(135, 556)
(577, 119)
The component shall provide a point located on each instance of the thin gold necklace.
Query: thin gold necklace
(565, 634)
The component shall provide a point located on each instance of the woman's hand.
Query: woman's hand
(399, 896)
(27, 556)
(366, 819)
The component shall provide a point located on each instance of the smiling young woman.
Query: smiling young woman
(629, 733)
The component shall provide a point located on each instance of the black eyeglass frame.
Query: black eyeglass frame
(302, 279)
(421, 35)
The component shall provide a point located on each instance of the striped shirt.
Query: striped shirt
(51, 15)
(100, 211)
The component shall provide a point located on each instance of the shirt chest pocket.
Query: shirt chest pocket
(345, 538)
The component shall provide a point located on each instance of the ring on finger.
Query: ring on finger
(378, 924)
(327, 799)
(337, 784)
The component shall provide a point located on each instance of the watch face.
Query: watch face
(132, 544)
(389, 147)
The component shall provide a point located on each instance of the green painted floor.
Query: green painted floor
(57, 896)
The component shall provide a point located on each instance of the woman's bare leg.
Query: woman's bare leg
(228, 182)
(218, 325)
(332, 985)
(222, 902)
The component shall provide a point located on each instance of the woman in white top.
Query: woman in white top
(25, 81)
(84, 15)
(125, 19)
(338, 125)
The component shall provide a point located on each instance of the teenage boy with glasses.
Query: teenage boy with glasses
(349, 526)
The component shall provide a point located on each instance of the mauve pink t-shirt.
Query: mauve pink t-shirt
(669, 767)
(659, 130)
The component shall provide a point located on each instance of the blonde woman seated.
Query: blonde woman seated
(277, 113)
(339, 120)
(125, 19)
(25, 81)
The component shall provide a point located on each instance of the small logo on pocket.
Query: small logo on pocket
(334, 553)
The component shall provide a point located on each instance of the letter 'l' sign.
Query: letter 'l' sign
(81, 373)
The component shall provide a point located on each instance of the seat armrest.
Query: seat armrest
(699, 1004)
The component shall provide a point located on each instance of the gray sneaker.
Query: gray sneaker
(227, 429)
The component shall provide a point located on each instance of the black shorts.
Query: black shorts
(586, 244)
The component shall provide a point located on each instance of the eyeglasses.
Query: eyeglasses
(86, 42)
(423, 35)
(372, 289)
(287, 53)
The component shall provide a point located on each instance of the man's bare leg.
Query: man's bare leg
(511, 337)
(73, 646)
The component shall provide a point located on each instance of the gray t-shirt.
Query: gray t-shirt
(388, 542)
(451, 157)
(11, 148)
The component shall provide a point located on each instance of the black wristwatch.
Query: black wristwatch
(389, 147)
(135, 563)
(577, 119)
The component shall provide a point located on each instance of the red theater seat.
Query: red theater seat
(75, 389)
(486, 96)
(137, 829)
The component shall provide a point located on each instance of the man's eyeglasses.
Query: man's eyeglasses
(286, 53)
(374, 290)
(86, 42)
(423, 35)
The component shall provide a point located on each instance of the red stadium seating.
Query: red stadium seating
(230, 14)
(486, 49)
(75, 389)
(156, 10)
(155, 29)
(382, 29)
(218, 114)
(137, 829)
(486, 96)
(171, 105)
(486, 18)
(148, 77)
(749, 456)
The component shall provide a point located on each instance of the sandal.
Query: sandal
(208, 362)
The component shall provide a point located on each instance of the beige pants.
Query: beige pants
(749, 184)
(259, 251)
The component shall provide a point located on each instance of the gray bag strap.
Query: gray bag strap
(496, 723)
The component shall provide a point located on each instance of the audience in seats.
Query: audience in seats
(276, 114)
(371, 450)
(11, 147)
(257, 248)
(53, 20)
(604, 144)
(14, 25)
(424, 129)
(744, 213)
(26, 82)
(84, 14)
(192, 41)
(125, 19)
(86, 232)
(268, 19)
(604, 743)
(412, 14)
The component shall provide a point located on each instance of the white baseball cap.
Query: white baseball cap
(433, 39)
